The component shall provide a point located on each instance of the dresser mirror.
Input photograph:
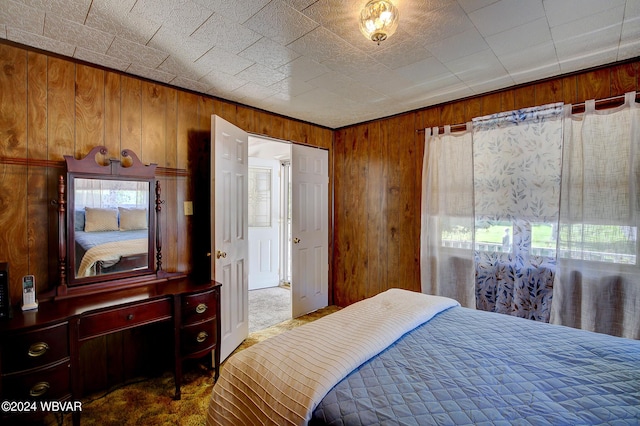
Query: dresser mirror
(110, 219)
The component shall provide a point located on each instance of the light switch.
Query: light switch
(188, 208)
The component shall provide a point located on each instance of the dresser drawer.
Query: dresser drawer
(198, 307)
(198, 337)
(45, 384)
(35, 349)
(127, 316)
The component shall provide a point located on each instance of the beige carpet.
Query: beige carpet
(268, 306)
(150, 401)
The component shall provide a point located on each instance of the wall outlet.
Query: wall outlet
(188, 208)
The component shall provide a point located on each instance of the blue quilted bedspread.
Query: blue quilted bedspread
(468, 367)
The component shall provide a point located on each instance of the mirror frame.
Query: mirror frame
(127, 168)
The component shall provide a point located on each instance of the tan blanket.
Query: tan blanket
(110, 252)
(281, 380)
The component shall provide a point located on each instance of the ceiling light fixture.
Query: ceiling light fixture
(378, 20)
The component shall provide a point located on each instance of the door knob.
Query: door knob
(296, 240)
(220, 254)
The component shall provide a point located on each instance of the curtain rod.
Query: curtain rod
(575, 109)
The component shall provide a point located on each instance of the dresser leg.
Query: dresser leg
(177, 377)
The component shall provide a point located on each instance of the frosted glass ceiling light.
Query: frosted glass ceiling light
(378, 20)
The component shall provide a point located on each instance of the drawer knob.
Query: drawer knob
(39, 389)
(202, 336)
(130, 317)
(38, 349)
(201, 308)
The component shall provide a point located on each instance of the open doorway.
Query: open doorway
(229, 252)
(269, 220)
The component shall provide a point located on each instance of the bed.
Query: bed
(110, 240)
(402, 357)
(110, 251)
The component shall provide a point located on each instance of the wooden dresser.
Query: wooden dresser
(40, 350)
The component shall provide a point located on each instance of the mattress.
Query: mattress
(468, 367)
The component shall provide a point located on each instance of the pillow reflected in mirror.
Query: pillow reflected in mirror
(131, 219)
(97, 219)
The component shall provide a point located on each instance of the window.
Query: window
(109, 193)
(601, 243)
(494, 236)
(259, 197)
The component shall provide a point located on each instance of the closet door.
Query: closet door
(309, 229)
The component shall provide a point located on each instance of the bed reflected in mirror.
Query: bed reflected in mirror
(111, 226)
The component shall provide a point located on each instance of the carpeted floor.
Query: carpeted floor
(150, 401)
(268, 306)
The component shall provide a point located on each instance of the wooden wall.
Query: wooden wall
(378, 169)
(52, 106)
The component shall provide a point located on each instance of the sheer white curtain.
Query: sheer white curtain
(106, 193)
(447, 216)
(597, 286)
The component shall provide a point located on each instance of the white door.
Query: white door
(264, 218)
(309, 229)
(229, 223)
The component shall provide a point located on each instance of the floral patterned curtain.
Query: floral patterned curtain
(517, 159)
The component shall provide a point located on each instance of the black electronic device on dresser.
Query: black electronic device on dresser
(5, 301)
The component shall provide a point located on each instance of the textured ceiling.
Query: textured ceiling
(307, 59)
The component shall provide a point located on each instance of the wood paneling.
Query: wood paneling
(492, 103)
(37, 106)
(594, 84)
(89, 120)
(351, 241)
(569, 94)
(624, 78)
(187, 124)
(13, 106)
(38, 177)
(545, 93)
(377, 219)
(131, 114)
(453, 112)
(60, 108)
(112, 101)
(474, 109)
(523, 97)
(227, 111)
(154, 124)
